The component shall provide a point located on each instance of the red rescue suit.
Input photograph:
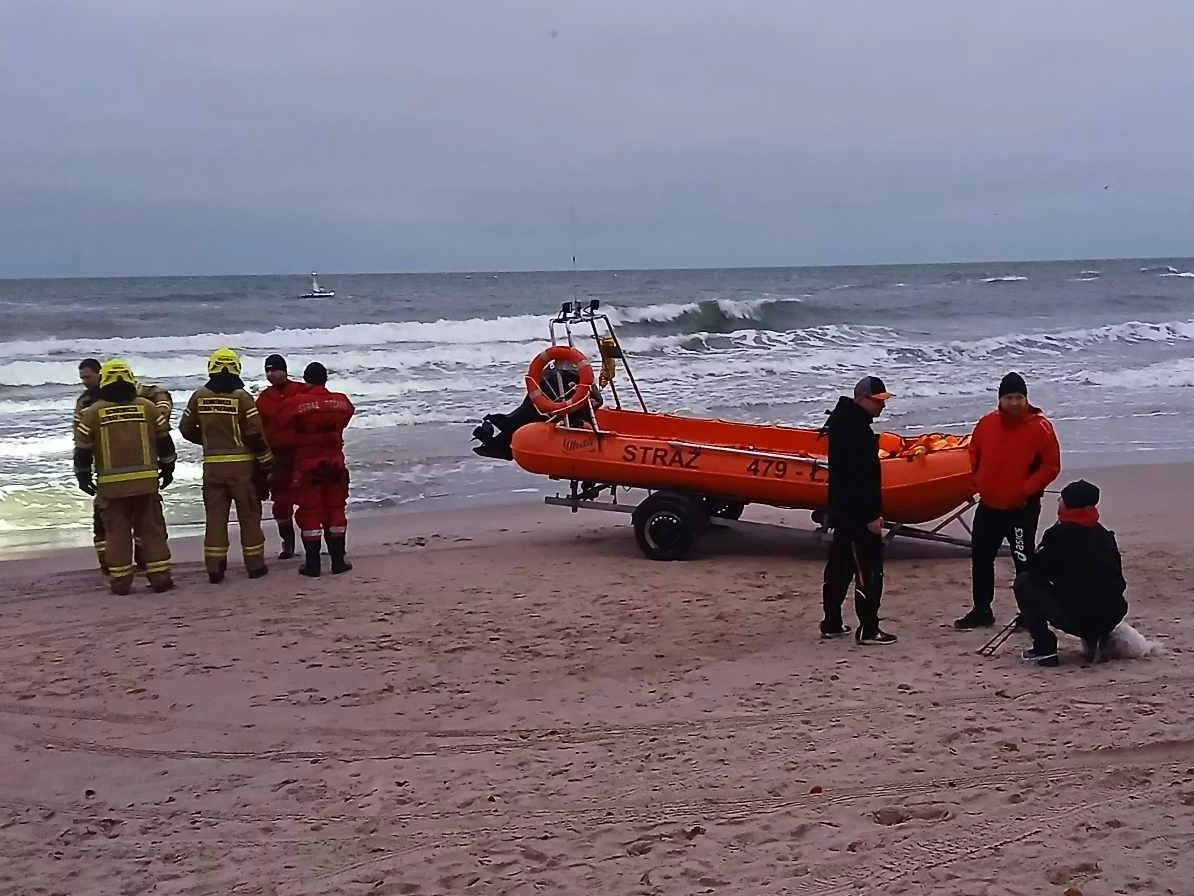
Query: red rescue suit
(269, 405)
(312, 424)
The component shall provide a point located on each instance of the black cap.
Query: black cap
(871, 387)
(316, 374)
(1013, 384)
(275, 362)
(1080, 494)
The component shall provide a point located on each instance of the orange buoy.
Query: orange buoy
(550, 407)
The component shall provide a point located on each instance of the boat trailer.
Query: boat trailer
(667, 523)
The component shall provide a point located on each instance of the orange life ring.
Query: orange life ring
(549, 407)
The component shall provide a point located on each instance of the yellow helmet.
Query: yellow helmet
(223, 360)
(115, 371)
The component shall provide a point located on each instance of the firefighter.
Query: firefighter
(281, 484)
(89, 373)
(222, 418)
(89, 376)
(312, 423)
(127, 440)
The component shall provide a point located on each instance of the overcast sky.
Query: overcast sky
(229, 136)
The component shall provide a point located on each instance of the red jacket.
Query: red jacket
(312, 423)
(1013, 458)
(269, 406)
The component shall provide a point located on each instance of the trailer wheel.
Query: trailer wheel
(666, 525)
(726, 510)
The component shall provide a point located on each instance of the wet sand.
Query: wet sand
(515, 701)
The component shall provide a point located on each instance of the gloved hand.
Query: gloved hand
(165, 474)
(261, 483)
(86, 482)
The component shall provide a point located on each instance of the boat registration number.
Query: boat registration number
(767, 467)
(781, 469)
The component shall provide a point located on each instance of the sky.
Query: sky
(260, 136)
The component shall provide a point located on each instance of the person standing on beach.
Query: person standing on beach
(312, 424)
(269, 404)
(1014, 454)
(855, 514)
(124, 455)
(222, 418)
(89, 376)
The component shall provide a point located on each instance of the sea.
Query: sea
(1107, 348)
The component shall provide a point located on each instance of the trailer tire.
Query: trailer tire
(666, 525)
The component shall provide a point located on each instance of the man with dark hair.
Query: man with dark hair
(1014, 454)
(855, 514)
(222, 417)
(312, 424)
(89, 372)
(89, 376)
(1074, 581)
(126, 439)
(269, 404)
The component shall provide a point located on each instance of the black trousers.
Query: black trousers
(855, 555)
(1040, 609)
(991, 529)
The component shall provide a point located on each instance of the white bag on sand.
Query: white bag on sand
(1126, 643)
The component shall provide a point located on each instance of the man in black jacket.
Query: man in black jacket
(855, 514)
(1074, 581)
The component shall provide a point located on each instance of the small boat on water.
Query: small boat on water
(317, 292)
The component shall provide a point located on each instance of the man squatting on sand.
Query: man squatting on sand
(1074, 581)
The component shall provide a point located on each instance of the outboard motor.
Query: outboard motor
(496, 430)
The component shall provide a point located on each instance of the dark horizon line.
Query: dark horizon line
(565, 270)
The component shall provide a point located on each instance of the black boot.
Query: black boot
(215, 576)
(286, 531)
(336, 552)
(311, 565)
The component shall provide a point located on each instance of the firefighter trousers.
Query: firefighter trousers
(323, 507)
(139, 516)
(100, 539)
(220, 492)
(99, 535)
(281, 487)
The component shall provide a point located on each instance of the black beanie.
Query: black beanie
(316, 374)
(275, 362)
(1080, 494)
(1013, 384)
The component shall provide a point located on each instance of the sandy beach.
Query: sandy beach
(514, 701)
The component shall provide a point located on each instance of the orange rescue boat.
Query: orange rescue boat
(923, 478)
(699, 468)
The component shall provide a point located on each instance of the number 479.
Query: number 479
(766, 467)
